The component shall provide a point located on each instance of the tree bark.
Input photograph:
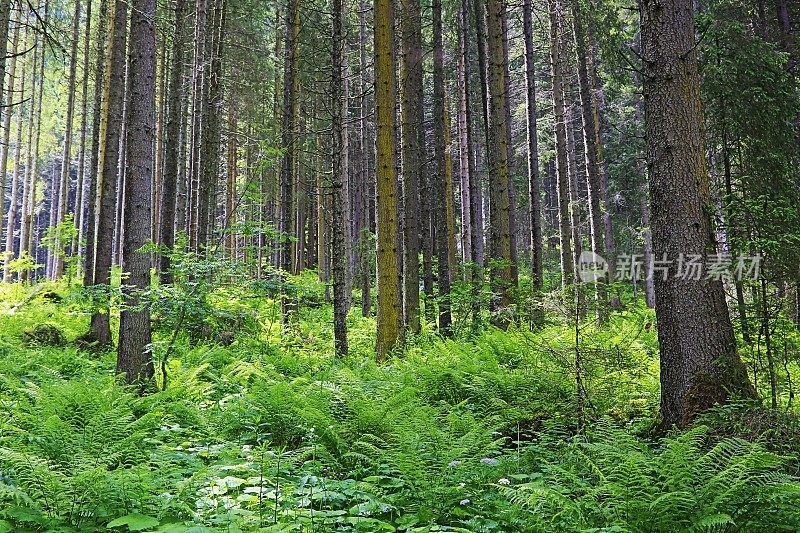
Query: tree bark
(341, 192)
(591, 150)
(534, 188)
(390, 309)
(99, 128)
(411, 122)
(440, 179)
(500, 210)
(288, 124)
(562, 167)
(80, 195)
(699, 362)
(12, 79)
(109, 164)
(15, 176)
(134, 358)
(172, 143)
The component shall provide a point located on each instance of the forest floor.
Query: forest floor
(261, 430)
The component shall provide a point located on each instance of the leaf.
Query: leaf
(134, 521)
(5, 527)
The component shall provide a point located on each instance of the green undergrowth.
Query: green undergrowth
(263, 430)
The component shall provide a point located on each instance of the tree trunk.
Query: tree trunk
(7, 98)
(411, 127)
(466, 160)
(199, 83)
(288, 124)
(439, 180)
(341, 192)
(562, 168)
(134, 358)
(591, 150)
(534, 191)
(699, 362)
(99, 129)
(32, 156)
(15, 176)
(12, 79)
(500, 210)
(57, 252)
(390, 308)
(365, 174)
(114, 94)
(80, 195)
(172, 143)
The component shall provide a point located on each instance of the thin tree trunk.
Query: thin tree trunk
(466, 160)
(534, 190)
(440, 178)
(109, 165)
(172, 142)
(7, 111)
(99, 128)
(80, 194)
(28, 195)
(365, 177)
(340, 178)
(591, 150)
(6, 99)
(15, 177)
(58, 251)
(562, 170)
(199, 82)
(288, 124)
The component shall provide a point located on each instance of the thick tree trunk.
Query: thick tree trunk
(699, 362)
(109, 164)
(390, 309)
(134, 358)
(500, 211)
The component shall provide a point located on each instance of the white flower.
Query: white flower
(504, 481)
(465, 501)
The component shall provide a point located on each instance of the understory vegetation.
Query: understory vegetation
(259, 428)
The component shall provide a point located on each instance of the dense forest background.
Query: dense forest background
(402, 265)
